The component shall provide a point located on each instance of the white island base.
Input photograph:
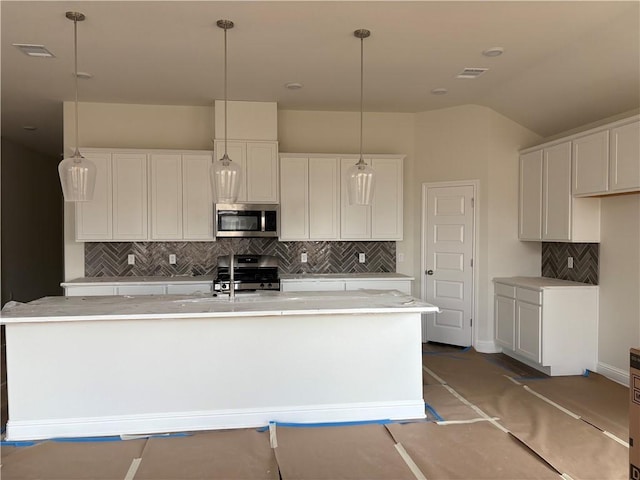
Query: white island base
(96, 374)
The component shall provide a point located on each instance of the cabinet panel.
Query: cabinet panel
(528, 331)
(129, 196)
(625, 158)
(262, 172)
(590, 158)
(556, 205)
(197, 199)
(308, 286)
(294, 199)
(89, 291)
(505, 315)
(386, 206)
(403, 286)
(355, 220)
(324, 198)
(94, 219)
(530, 218)
(140, 290)
(166, 196)
(190, 289)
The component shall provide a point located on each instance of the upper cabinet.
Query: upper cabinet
(314, 203)
(140, 195)
(606, 160)
(259, 163)
(547, 209)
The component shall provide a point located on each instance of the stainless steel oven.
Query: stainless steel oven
(246, 220)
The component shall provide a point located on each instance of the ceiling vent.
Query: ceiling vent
(471, 72)
(33, 50)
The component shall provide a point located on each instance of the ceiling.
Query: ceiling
(565, 64)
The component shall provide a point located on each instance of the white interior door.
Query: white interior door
(448, 275)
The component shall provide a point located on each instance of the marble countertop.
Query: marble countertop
(344, 276)
(538, 283)
(257, 304)
(181, 279)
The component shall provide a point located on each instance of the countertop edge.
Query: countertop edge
(541, 283)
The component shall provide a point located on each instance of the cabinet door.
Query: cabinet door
(590, 158)
(505, 321)
(324, 199)
(197, 199)
(294, 199)
(386, 206)
(141, 289)
(190, 289)
(166, 196)
(308, 286)
(530, 197)
(625, 158)
(262, 172)
(528, 331)
(403, 286)
(129, 196)
(556, 188)
(237, 152)
(355, 220)
(89, 290)
(94, 219)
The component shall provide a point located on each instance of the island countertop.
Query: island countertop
(69, 309)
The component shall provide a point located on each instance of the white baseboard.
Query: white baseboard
(210, 420)
(614, 373)
(487, 346)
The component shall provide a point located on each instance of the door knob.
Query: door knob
(429, 272)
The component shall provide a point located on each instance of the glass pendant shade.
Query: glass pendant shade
(361, 182)
(78, 178)
(225, 180)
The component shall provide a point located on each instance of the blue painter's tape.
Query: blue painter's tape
(7, 443)
(529, 378)
(450, 354)
(433, 412)
(326, 424)
(86, 439)
(586, 373)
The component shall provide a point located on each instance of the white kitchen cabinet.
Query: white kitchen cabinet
(89, 290)
(166, 196)
(403, 286)
(94, 219)
(545, 197)
(548, 324)
(309, 198)
(141, 290)
(339, 282)
(382, 220)
(590, 163)
(190, 289)
(197, 198)
(129, 196)
(131, 286)
(259, 164)
(312, 286)
(624, 158)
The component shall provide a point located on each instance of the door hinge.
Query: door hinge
(473, 202)
(471, 322)
(471, 263)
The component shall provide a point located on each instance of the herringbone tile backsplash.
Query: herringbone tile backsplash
(109, 259)
(585, 261)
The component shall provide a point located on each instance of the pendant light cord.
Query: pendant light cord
(361, 93)
(225, 92)
(75, 54)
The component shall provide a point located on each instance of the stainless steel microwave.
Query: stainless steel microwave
(246, 220)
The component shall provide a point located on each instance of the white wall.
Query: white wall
(475, 143)
(619, 326)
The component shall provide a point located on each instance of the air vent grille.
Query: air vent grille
(471, 72)
(33, 50)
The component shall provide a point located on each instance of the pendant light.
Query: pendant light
(225, 174)
(77, 174)
(361, 177)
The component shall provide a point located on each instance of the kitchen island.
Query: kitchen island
(85, 366)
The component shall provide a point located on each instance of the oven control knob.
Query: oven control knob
(262, 285)
(224, 286)
(270, 285)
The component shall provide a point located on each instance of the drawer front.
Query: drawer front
(528, 295)
(505, 290)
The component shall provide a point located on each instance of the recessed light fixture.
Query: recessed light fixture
(31, 128)
(493, 52)
(471, 72)
(293, 86)
(33, 50)
(84, 75)
(439, 91)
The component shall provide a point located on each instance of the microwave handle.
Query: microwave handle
(263, 221)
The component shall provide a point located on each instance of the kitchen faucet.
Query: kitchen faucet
(232, 283)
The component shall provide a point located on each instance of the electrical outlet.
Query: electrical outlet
(400, 257)
(569, 262)
(131, 259)
(361, 257)
(172, 259)
(303, 257)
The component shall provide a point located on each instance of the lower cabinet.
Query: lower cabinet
(323, 285)
(549, 324)
(155, 288)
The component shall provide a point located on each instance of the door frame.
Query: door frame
(423, 248)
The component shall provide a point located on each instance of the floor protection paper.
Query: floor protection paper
(221, 454)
